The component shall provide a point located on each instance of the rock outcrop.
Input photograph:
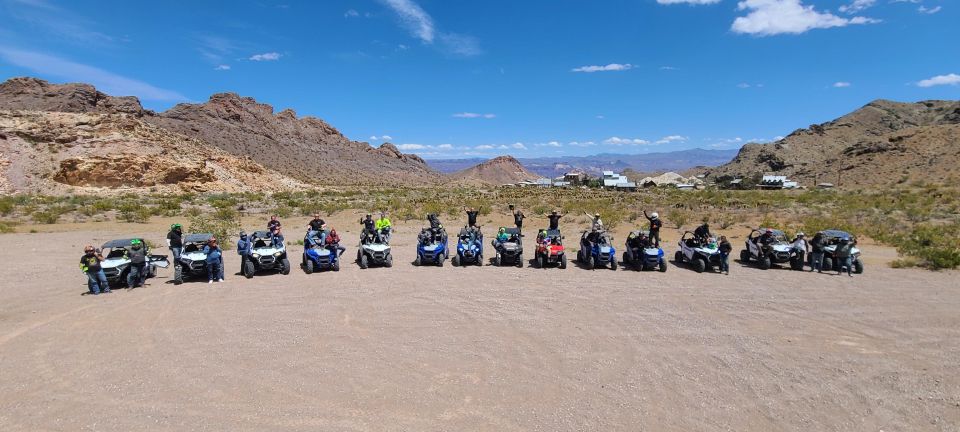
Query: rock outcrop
(881, 144)
(496, 171)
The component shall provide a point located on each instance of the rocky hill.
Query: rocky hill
(881, 144)
(304, 148)
(68, 152)
(497, 171)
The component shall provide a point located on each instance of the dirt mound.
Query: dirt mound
(497, 171)
(305, 148)
(881, 144)
(61, 152)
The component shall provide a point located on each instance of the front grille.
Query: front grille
(111, 273)
(267, 260)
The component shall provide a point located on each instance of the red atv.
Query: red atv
(550, 250)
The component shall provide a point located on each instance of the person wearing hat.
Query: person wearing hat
(518, 217)
(597, 223)
(137, 254)
(800, 244)
(554, 217)
(369, 226)
(277, 239)
(90, 265)
(655, 225)
(214, 260)
(175, 242)
(725, 249)
(244, 249)
(844, 256)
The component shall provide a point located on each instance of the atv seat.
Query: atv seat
(191, 248)
(259, 244)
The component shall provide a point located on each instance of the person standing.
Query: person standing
(214, 260)
(655, 225)
(316, 224)
(844, 256)
(175, 242)
(472, 214)
(90, 265)
(518, 218)
(816, 256)
(554, 217)
(369, 226)
(244, 248)
(277, 239)
(273, 225)
(596, 224)
(801, 247)
(725, 249)
(137, 255)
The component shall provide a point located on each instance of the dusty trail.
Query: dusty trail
(476, 349)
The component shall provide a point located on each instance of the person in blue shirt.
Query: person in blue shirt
(244, 246)
(214, 260)
(277, 239)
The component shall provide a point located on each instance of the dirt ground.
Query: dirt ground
(480, 348)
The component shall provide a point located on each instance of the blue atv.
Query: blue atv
(641, 254)
(432, 247)
(469, 248)
(317, 257)
(596, 250)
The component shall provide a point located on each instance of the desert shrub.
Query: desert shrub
(134, 212)
(935, 246)
(281, 211)
(50, 215)
(679, 217)
(221, 228)
(7, 227)
(193, 212)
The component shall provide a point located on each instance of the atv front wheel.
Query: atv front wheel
(858, 267)
(417, 261)
(613, 263)
(248, 269)
(336, 265)
(765, 263)
(678, 257)
(497, 261)
(286, 266)
(563, 261)
(663, 266)
(389, 261)
(519, 261)
(479, 260)
(827, 264)
(700, 265)
(797, 264)
(455, 260)
(744, 256)
(364, 262)
(308, 267)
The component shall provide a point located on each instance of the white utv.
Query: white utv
(776, 250)
(264, 255)
(374, 251)
(702, 257)
(193, 262)
(116, 265)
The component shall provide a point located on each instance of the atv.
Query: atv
(509, 251)
(265, 256)
(469, 248)
(193, 262)
(320, 257)
(776, 251)
(831, 239)
(703, 257)
(550, 250)
(374, 251)
(643, 258)
(116, 265)
(432, 247)
(596, 250)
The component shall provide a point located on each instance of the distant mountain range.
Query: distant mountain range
(554, 166)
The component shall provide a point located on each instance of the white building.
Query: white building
(612, 179)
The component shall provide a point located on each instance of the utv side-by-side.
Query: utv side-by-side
(550, 250)
(116, 265)
(766, 251)
(832, 239)
(509, 251)
(432, 247)
(264, 255)
(701, 256)
(193, 262)
(596, 250)
(643, 256)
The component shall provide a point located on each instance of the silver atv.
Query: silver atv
(374, 251)
(193, 262)
(116, 265)
(703, 257)
(264, 255)
(776, 251)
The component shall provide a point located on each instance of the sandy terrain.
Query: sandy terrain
(459, 349)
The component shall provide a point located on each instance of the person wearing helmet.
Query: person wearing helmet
(655, 225)
(369, 227)
(90, 265)
(597, 224)
(844, 256)
(214, 260)
(175, 242)
(244, 249)
(801, 246)
(554, 217)
(137, 254)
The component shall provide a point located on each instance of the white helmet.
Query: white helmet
(655, 215)
(800, 234)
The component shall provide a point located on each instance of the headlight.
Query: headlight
(278, 254)
(256, 255)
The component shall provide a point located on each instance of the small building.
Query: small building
(612, 179)
(544, 182)
(575, 178)
(777, 182)
(628, 186)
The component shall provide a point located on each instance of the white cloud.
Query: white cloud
(949, 79)
(581, 143)
(351, 13)
(270, 56)
(671, 138)
(857, 6)
(474, 115)
(378, 138)
(667, 68)
(408, 147)
(484, 147)
(608, 68)
(773, 17)
(414, 18)
(387, 137)
(519, 146)
(105, 81)
(222, 67)
(841, 84)
(626, 141)
(692, 2)
(460, 45)
(445, 147)
(929, 11)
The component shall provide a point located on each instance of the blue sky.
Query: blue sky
(445, 78)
